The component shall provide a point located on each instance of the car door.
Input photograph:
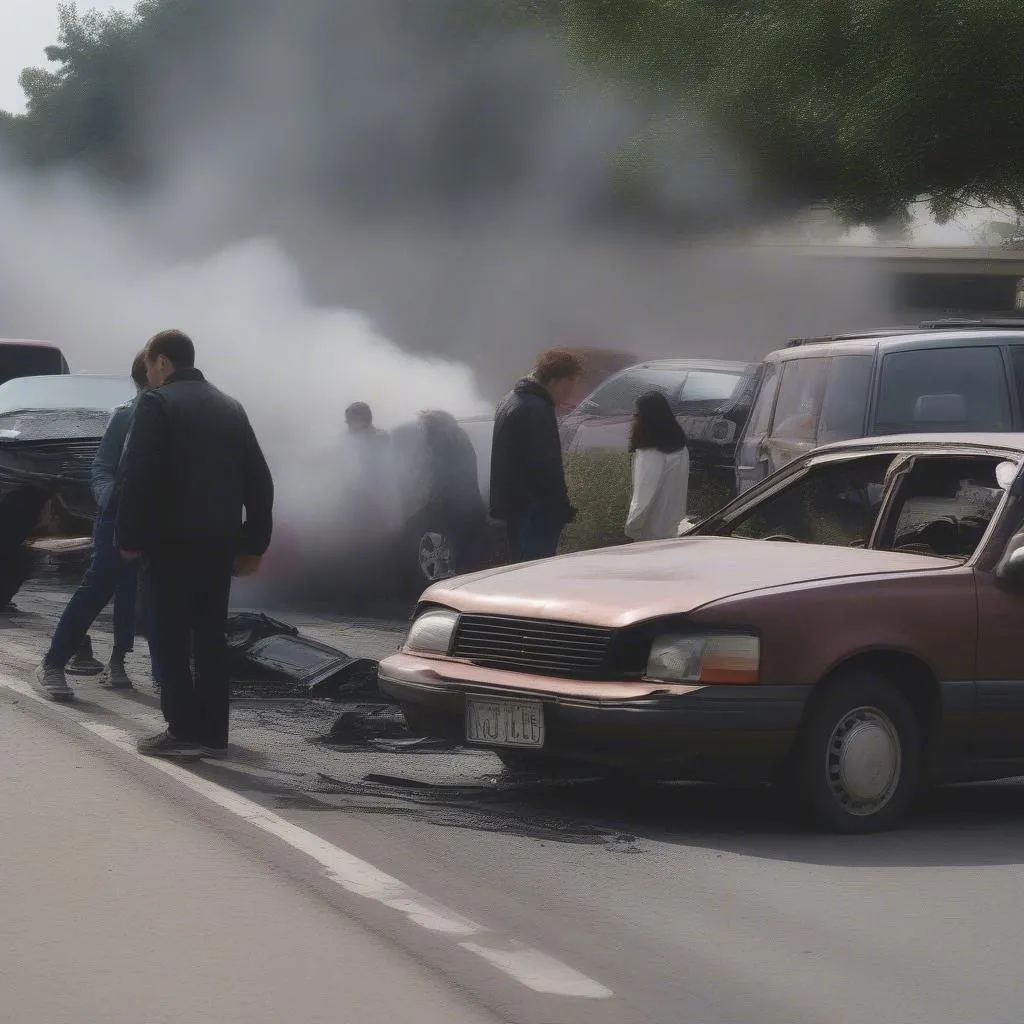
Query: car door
(751, 456)
(794, 429)
(998, 727)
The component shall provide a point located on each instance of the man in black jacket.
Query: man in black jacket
(192, 466)
(527, 477)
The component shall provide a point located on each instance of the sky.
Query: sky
(26, 28)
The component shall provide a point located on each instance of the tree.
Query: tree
(867, 105)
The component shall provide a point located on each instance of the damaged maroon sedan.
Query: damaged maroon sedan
(849, 630)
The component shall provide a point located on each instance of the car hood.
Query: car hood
(619, 586)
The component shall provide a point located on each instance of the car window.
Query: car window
(799, 402)
(943, 506)
(617, 396)
(65, 392)
(1017, 354)
(835, 503)
(29, 361)
(708, 387)
(844, 408)
(943, 389)
(761, 414)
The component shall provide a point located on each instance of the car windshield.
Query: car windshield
(617, 397)
(28, 360)
(65, 392)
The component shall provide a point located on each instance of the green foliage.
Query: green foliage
(600, 486)
(867, 105)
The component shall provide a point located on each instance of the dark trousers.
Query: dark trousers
(15, 568)
(190, 585)
(533, 534)
(108, 576)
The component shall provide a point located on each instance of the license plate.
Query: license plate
(505, 723)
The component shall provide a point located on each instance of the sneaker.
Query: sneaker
(50, 682)
(116, 677)
(83, 663)
(166, 744)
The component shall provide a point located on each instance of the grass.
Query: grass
(600, 485)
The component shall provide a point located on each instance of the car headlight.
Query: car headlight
(432, 632)
(711, 658)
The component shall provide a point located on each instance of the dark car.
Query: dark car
(710, 398)
(414, 514)
(939, 375)
(30, 359)
(446, 528)
(50, 431)
(848, 630)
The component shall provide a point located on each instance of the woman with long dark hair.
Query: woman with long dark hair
(661, 470)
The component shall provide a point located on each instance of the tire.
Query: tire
(433, 554)
(857, 763)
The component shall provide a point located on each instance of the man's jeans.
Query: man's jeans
(108, 576)
(534, 535)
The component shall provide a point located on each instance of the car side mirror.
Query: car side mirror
(1011, 568)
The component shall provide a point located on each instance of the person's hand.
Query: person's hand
(247, 565)
(130, 556)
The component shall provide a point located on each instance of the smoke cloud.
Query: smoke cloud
(385, 200)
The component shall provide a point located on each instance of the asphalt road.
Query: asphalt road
(526, 900)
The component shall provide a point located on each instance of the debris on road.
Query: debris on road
(267, 653)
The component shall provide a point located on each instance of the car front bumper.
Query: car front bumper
(703, 733)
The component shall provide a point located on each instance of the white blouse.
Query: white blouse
(660, 486)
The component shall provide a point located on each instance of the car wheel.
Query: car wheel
(435, 555)
(858, 759)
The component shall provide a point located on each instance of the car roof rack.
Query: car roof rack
(853, 336)
(1004, 323)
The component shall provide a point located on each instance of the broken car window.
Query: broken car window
(944, 505)
(835, 503)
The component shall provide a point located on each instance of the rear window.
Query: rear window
(29, 361)
(943, 389)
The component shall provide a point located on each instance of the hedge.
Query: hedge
(600, 484)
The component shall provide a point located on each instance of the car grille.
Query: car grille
(531, 645)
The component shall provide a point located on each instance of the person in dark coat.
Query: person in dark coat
(528, 491)
(196, 501)
(454, 486)
(25, 512)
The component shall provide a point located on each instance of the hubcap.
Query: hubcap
(864, 761)
(436, 561)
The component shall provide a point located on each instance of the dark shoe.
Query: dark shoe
(115, 677)
(83, 663)
(215, 752)
(165, 744)
(50, 682)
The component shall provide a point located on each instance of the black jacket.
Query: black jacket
(191, 466)
(526, 456)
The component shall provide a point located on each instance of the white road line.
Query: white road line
(530, 967)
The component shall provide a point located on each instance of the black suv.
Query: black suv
(943, 375)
